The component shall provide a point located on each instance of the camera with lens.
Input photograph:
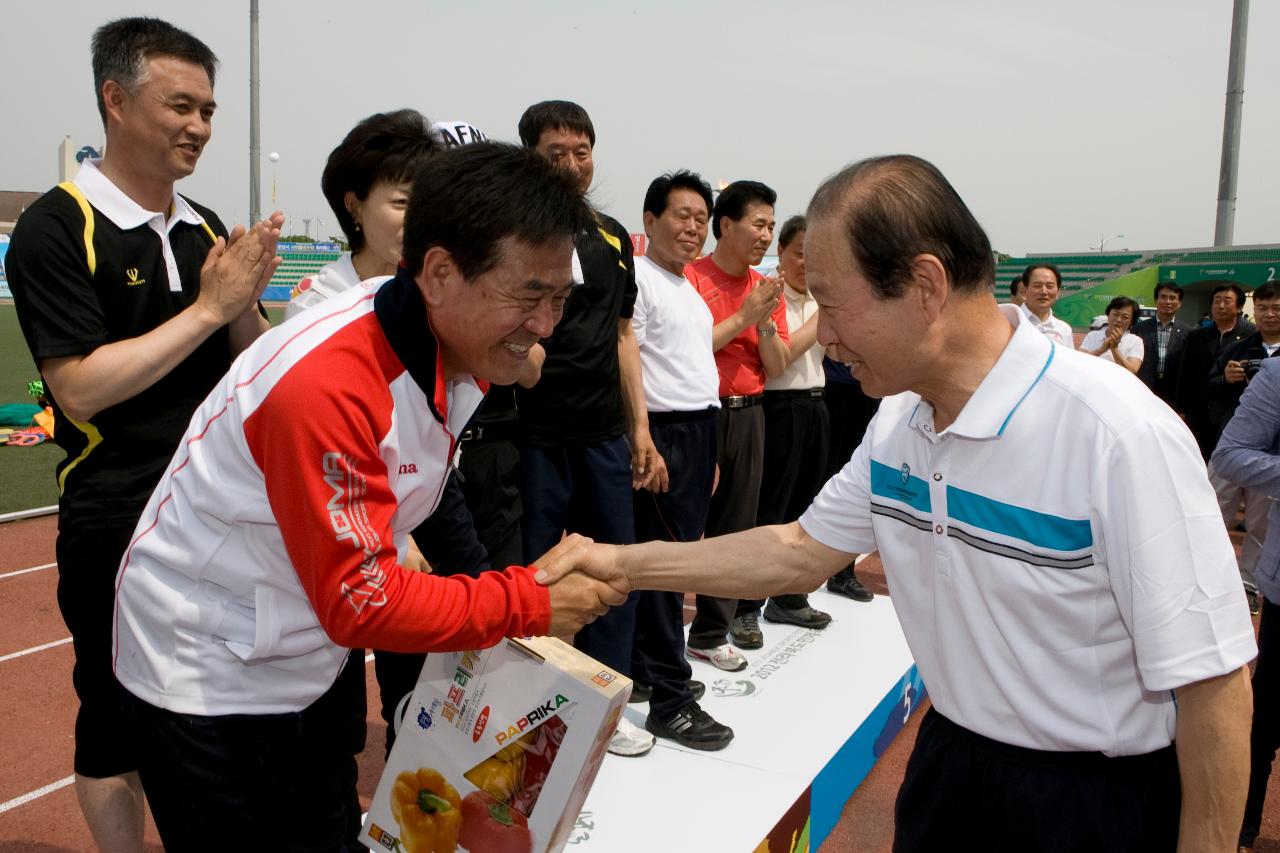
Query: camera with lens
(1251, 366)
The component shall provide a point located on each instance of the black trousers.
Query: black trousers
(797, 430)
(87, 564)
(740, 455)
(965, 791)
(248, 781)
(1265, 738)
(850, 412)
(491, 484)
(448, 540)
(584, 489)
(687, 442)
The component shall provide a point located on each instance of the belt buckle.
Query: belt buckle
(737, 401)
(815, 393)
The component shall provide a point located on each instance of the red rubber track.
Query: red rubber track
(37, 707)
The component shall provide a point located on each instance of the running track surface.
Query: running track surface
(38, 810)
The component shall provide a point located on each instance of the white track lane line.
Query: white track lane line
(62, 783)
(35, 649)
(26, 571)
(36, 794)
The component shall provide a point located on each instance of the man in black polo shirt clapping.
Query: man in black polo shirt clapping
(133, 301)
(585, 423)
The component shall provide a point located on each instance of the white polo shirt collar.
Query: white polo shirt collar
(127, 214)
(993, 405)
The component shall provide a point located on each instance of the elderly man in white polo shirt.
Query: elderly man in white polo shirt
(1043, 285)
(1072, 614)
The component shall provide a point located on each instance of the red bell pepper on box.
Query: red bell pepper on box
(490, 826)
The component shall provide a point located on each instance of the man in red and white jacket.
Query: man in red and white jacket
(274, 542)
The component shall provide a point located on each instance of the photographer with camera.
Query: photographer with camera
(1235, 369)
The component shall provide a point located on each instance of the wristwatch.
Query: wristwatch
(769, 331)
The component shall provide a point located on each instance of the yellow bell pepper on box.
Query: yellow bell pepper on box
(428, 810)
(500, 774)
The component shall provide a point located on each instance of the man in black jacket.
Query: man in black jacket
(1163, 338)
(1199, 355)
(1237, 364)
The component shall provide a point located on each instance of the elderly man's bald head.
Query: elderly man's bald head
(893, 209)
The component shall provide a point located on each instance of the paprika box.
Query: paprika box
(497, 750)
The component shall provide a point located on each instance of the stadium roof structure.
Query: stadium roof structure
(12, 203)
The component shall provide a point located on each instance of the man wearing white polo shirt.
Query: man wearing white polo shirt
(1071, 613)
(673, 329)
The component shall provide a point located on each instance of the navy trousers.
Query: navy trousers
(687, 442)
(584, 489)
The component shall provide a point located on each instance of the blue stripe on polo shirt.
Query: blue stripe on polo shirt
(1048, 361)
(1036, 528)
(898, 484)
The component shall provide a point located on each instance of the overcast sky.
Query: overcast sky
(1060, 123)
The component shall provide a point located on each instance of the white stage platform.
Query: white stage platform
(811, 713)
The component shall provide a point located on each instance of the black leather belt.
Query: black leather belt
(735, 401)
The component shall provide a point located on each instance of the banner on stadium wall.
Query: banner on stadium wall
(315, 248)
(5, 293)
(1079, 309)
(1247, 274)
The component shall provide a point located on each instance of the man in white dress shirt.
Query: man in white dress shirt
(1043, 284)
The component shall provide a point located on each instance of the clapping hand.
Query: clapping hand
(762, 300)
(237, 269)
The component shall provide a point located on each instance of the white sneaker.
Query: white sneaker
(725, 657)
(630, 739)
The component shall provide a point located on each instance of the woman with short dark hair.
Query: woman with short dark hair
(366, 182)
(1115, 342)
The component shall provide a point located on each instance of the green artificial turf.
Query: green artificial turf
(26, 473)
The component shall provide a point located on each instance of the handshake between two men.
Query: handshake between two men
(585, 578)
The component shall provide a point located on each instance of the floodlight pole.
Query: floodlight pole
(1224, 226)
(255, 144)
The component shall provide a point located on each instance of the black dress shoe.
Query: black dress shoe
(804, 617)
(641, 693)
(845, 583)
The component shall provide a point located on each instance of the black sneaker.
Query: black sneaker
(692, 727)
(845, 583)
(745, 631)
(805, 617)
(641, 693)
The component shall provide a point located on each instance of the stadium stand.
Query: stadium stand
(299, 260)
(1090, 281)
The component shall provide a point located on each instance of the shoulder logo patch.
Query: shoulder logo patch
(131, 277)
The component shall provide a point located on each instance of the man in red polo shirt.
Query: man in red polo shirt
(750, 342)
